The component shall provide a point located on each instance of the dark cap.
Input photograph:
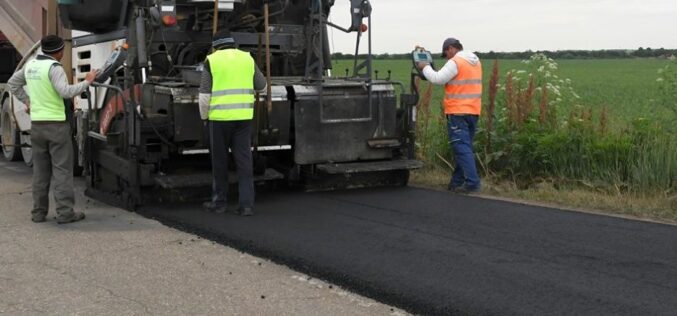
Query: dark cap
(451, 42)
(222, 38)
(51, 44)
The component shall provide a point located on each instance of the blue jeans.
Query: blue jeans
(461, 129)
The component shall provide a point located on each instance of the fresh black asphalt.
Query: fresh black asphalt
(432, 252)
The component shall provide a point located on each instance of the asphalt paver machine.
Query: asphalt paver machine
(139, 133)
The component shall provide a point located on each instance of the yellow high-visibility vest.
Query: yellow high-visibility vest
(232, 85)
(46, 103)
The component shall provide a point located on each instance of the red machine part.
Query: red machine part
(115, 106)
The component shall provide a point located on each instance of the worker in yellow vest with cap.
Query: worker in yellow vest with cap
(229, 81)
(462, 80)
(51, 141)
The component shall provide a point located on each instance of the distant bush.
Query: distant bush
(641, 52)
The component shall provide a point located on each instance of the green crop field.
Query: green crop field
(625, 86)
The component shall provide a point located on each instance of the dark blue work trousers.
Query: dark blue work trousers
(461, 129)
(237, 136)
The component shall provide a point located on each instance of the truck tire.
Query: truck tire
(10, 134)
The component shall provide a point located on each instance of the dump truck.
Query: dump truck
(22, 24)
(10, 135)
(137, 131)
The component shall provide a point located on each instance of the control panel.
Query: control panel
(421, 55)
(116, 59)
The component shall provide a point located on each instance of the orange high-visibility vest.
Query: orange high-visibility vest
(463, 94)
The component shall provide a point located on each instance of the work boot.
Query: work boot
(39, 218)
(475, 189)
(76, 216)
(245, 211)
(454, 187)
(463, 190)
(459, 190)
(467, 190)
(212, 207)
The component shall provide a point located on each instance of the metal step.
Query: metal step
(371, 166)
(204, 179)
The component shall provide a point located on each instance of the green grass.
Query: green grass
(625, 86)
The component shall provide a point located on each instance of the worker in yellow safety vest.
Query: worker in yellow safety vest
(462, 80)
(51, 137)
(229, 80)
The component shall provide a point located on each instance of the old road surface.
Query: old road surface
(116, 263)
(431, 252)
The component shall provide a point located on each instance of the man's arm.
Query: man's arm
(205, 91)
(16, 86)
(60, 83)
(260, 82)
(448, 72)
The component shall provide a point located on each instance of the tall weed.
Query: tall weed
(536, 127)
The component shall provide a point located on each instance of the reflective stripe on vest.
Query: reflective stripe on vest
(232, 85)
(231, 106)
(463, 94)
(462, 82)
(232, 92)
(46, 103)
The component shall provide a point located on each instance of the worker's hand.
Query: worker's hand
(421, 65)
(92, 75)
(28, 106)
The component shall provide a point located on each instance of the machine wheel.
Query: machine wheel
(10, 134)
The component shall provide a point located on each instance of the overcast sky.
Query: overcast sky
(517, 25)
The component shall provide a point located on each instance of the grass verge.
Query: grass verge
(661, 208)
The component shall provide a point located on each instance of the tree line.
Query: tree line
(641, 52)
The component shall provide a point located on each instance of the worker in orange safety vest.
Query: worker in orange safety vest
(462, 80)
